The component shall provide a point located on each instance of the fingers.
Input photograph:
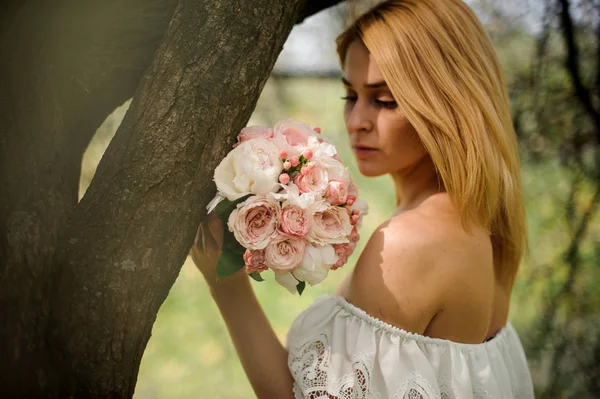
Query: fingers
(216, 227)
(202, 242)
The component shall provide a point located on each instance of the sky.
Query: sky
(310, 48)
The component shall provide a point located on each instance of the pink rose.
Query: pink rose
(341, 262)
(315, 180)
(336, 193)
(295, 133)
(353, 237)
(331, 226)
(255, 261)
(342, 251)
(252, 132)
(353, 190)
(254, 222)
(294, 221)
(284, 253)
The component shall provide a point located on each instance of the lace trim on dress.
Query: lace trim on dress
(313, 380)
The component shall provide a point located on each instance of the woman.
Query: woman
(424, 312)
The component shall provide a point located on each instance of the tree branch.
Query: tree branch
(315, 6)
(572, 64)
(573, 261)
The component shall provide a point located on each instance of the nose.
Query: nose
(358, 118)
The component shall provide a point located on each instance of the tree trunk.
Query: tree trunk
(81, 283)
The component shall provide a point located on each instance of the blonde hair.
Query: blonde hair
(443, 71)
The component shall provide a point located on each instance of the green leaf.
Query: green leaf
(300, 287)
(225, 207)
(229, 263)
(230, 244)
(256, 276)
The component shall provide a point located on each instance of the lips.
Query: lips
(362, 151)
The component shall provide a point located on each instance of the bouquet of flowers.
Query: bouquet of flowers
(290, 205)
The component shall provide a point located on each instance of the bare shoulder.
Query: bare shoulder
(416, 263)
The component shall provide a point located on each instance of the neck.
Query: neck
(415, 184)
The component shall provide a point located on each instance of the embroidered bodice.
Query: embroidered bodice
(338, 351)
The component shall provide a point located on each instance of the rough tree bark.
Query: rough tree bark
(81, 283)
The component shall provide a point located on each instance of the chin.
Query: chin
(370, 171)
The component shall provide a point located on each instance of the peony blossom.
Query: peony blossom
(295, 133)
(284, 253)
(295, 221)
(251, 132)
(253, 167)
(254, 222)
(332, 226)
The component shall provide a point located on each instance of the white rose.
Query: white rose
(253, 167)
(321, 149)
(316, 264)
(287, 280)
(292, 195)
(336, 170)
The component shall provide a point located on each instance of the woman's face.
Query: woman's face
(381, 138)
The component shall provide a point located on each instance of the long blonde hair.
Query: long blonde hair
(442, 70)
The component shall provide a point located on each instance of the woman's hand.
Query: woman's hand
(207, 247)
(263, 357)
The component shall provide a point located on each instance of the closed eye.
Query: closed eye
(387, 104)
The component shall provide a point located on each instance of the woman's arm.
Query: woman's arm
(263, 356)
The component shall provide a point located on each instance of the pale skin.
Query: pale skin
(419, 271)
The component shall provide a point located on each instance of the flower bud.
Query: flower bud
(308, 154)
(287, 165)
(304, 170)
(351, 199)
(294, 161)
(317, 129)
(284, 178)
(283, 154)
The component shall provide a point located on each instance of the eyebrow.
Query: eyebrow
(367, 85)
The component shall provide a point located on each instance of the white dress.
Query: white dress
(337, 350)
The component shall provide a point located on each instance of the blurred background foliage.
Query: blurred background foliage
(550, 58)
